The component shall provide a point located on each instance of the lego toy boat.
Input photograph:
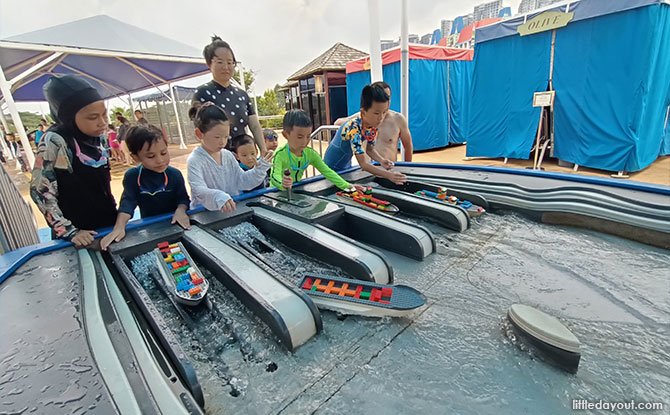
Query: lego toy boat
(180, 275)
(349, 296)
(368, 200)
(441, 195)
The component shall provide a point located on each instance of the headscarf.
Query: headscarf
(66, 96)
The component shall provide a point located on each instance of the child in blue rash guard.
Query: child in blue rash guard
(246, 154)
(349, 139)
(154, 186)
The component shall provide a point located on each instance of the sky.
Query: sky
(274, 38)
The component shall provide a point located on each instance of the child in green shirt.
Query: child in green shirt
(296, 156)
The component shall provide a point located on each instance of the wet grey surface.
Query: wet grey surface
(301, 207)
(457, 354)
(47, 367)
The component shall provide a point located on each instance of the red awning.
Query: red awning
(466, 33)
(416, 52)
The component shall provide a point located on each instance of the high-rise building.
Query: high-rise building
(544, 3)
(530, 5)
(412, 38)
(468, 19)
(389, 44)
(425, 39)
(445, 27)
(527, 5)
(487, 10)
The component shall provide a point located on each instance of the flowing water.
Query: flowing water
(456, 354)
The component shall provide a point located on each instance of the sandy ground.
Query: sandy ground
(657, 173)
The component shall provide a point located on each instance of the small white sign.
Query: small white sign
(544, 99)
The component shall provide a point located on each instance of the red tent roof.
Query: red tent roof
(416, 52)
(466, 33)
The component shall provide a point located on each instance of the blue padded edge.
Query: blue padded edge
(10, 261)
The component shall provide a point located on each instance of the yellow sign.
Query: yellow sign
(545, 21)
(366, 65)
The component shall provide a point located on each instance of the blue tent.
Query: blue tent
(612, 93)
(665, 148)
(439, 85)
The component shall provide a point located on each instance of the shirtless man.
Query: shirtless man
(393, 127)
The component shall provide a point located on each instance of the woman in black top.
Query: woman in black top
(235, 102)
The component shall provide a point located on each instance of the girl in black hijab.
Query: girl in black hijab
(71, 177)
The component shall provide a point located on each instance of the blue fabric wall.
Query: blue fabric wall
(507, 71)
(665, 147)
(428, 113)
(431, 122)
(355, 83)
(612, 96)
(460, 82)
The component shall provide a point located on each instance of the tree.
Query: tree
(29, 119)
(249, 78)
(124, 111)
(267, 104)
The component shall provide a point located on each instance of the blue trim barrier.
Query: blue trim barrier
(11, 261)
(14, 259)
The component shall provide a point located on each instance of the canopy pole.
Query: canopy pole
(11, 105)
(375, 42)
(182, 145)
(448, 101)
(5, 149)
(404, 67)
(35, 68)
(132, 107)
(404, 61)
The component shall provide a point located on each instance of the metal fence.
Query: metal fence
(319, 141)
(159, 111)
(17, 223)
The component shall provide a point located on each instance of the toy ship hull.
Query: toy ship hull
(362, 298)
(472, 209)
(192, 290)
(375, 204)
(560, 347)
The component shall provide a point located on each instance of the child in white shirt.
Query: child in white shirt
(213, 172)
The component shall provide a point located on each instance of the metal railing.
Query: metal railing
(321, 134)
(17, 223)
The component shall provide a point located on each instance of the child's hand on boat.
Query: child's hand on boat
(395, 177)
(356, 188)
